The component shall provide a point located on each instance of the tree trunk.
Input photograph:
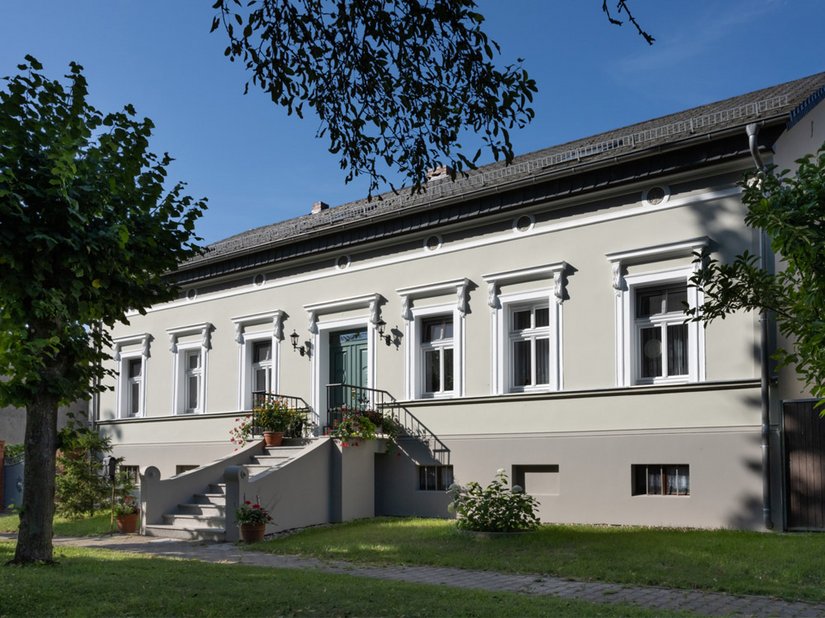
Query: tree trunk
(34, 540)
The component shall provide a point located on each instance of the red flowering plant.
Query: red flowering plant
(364, 425)
(252, 513)
(241, 431)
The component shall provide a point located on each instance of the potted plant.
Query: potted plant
(126, 515)
(252, 518)
(274, 418)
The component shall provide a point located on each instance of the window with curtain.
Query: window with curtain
(529, 347)
(661, 333)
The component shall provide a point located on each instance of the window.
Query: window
(527, 328)
(262, 366)
(654, 344)
(529, 347)
(437, 358)
(132, 473)
(131, 353)
(661, 480)
(661, 333)
(537, 480)
(434, 478)
(134, 380)
(192, 380)
(190, 345)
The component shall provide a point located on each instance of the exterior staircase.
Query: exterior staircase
(204, 516)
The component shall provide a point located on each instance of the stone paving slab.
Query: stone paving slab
(651, 597)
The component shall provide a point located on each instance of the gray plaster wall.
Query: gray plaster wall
(593, 430)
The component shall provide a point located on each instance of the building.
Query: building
(526, 317)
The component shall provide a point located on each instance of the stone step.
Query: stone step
(217, 488)
(194, 522)
(217, 535)
(254, 469)
(270, 460)
(216, 499)
(283, 449)
(206, 509)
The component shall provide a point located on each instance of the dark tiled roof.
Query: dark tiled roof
(777, 103)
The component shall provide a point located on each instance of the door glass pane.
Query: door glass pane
(649, 302)
(542, 361)
(521, 319)
(262, 351)
(432, 371)
(260, 379)
(135, 367)
(192, 392)
(193, 360)
(448, 369)
(542, 317)
(676, 299)
(134, 398)
(521, 363)
(650, 347)
(677, 349)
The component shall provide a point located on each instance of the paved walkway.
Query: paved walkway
(664, 599)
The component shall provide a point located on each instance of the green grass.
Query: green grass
(89, 582)
(788, 566)
(63, 526)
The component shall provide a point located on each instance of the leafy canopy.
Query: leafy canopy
(86, 231)
(394, 82)
(790, 208)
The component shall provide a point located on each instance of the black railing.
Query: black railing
(301, 427)
(374, 403)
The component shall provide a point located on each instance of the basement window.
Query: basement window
(434, 478)
(661, 479)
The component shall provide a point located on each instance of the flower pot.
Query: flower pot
(127, 523)
(273, 438)
(253, 533)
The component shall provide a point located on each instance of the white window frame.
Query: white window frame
(531, 334)
(413, 315)
(503, 340)
(626, 286)
(185, 353)
(180, 369)
(122, 359)
(501, 306)
(629, 361)
(250, 329)
(415, 352)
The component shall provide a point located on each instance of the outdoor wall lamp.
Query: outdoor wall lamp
(294, 337)
(381, 326)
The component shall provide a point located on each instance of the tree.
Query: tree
(398, 82)
(790, 209)
(87, 232)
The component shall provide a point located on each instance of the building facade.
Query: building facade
(529, 317)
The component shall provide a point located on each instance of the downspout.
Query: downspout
(753, 132)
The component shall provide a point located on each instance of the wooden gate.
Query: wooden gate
(804, 435)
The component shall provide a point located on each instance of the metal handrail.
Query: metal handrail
(292, 402)
(346, 397)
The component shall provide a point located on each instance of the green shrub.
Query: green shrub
(495, 508)
(81, 485)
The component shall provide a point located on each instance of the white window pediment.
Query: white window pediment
(372, 302)
(258, 336)
(655, 345)
(190, 367)
(435, 360)
(527, 355)
(131, 353)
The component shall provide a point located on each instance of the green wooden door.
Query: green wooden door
(347, 365)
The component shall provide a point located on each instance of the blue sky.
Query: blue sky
(256, 165)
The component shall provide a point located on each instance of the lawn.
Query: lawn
(788, 566)
(105, 583)
(89, 526)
